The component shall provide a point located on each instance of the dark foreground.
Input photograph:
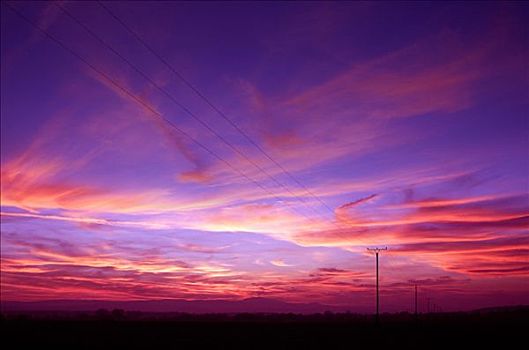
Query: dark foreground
(496, 329)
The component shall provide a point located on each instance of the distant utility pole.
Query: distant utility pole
(377, 250)
(416, 313)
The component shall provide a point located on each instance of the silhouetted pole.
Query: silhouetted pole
(378, 302)
(416, 313)
(377, 250)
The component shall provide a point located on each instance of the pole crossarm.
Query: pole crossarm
(377, 249)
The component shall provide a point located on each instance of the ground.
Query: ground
(249, 331)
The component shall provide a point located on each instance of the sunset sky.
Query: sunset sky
(342, 126)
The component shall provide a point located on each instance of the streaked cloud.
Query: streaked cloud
(416, 143)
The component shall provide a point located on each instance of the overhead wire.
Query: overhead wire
(208, 101)
(142, 103)
(341, 226)
(148, 106)
(173, 99)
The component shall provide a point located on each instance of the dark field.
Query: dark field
(490, 329)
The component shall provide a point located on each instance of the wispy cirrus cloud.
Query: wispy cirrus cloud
(412, 143)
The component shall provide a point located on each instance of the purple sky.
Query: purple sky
(406, 124)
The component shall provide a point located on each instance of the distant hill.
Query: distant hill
(509, 308)
(251, 305)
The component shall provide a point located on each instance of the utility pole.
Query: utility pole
(377, 250)
(416, 313)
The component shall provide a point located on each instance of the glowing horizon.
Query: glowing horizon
(413, 137)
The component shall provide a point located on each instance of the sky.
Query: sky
(257, 149)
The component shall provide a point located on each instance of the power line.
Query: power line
(180, 105)
(140, 101)
(339, 225)
(152, 110)
(208, 101)
(155, 112)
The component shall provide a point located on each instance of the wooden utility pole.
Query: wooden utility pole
(377, 250)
